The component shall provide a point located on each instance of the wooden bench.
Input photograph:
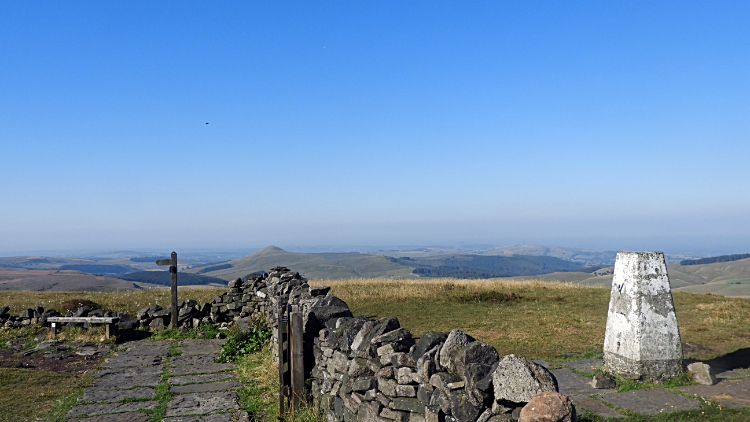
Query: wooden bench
(109, 321)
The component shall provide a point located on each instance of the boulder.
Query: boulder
(428, 341)
(702, 373)
(603, 381)
(157, 324)
(548, 407)
(319, 291)
(321, 309)
(517, 380)
(462, 409)
(236, 283)
(399, 339)
(455, 341)
(426, 364)
(479, 354)
(152, 310)
(361, 345)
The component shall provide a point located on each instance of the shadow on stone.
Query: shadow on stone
(132, 335)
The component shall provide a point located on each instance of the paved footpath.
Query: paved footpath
(204, 390)
(728, 392)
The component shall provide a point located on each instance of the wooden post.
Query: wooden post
(297, 360)
(281, 336)
(52, 330)
(173, 270)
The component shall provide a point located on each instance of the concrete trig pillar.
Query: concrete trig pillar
(642, 340)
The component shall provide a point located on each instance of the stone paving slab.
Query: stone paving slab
(216, 417)
(188, 379)
(593, 406)
(143, 370)
(570, 383)
(730, 373)
(127, 381)
(98, 395)
(146, 349)
(728, 393)
(587, 365)
(192, 360)
(127, 361)
(117, 417)
(200, 369)
(200, 342)
(210, 349)
(202, 403)
(651, 401)
(100, 409)
(210, 386)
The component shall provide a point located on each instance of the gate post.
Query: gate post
(297, 360)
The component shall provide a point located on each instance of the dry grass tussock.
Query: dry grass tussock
(129, 301)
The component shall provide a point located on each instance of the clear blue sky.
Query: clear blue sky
(603, 125)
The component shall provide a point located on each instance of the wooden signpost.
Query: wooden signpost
(172, 262)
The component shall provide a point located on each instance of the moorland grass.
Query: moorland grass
(536, 319)
(129, 302)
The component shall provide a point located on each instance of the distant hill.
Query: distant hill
(93, 265)
(60, 281)
(97, 269)
(580, 256)
(346, 265)
(720, 278)
(313, 265)
(479, 266)
(164, 278)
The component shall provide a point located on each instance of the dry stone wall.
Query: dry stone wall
(364, 370)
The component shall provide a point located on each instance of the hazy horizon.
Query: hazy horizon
(600, 126)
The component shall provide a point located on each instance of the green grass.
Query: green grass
(243, 343)
(163, 395)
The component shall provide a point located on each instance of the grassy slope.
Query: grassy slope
(549, 319)
(315, 265)
(128, 302)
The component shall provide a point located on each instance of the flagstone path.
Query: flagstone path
(728, 392)
(203, 391)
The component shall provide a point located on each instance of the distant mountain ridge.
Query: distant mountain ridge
(347, 265)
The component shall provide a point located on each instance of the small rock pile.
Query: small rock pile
(29, 316)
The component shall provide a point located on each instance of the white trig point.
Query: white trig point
(642, 340)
